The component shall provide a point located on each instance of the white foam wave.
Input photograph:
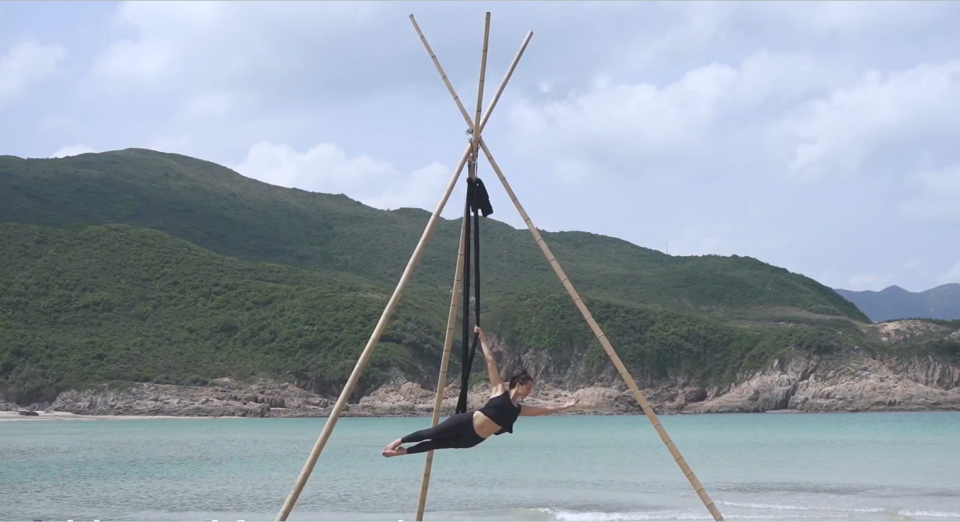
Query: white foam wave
(600, 516)
(929, 514)
(761, 512)
(788, 507)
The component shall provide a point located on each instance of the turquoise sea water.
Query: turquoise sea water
(867, 466)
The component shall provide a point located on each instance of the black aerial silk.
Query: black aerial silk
(478, 201)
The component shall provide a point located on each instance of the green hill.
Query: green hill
(143, 266)
(82, 305)
(231, 215)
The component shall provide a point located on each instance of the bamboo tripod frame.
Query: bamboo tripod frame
(471, 154)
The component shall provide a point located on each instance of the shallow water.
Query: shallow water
(867, 466)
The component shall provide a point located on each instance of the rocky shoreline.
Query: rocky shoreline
(809, 385)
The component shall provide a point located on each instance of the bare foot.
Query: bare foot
(394, 453)
(391, 449)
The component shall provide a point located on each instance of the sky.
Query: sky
(819, 137)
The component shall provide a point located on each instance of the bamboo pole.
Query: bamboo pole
(604, 342)
(607, 347)
(483, 73)
(444, 366)
(368, 349)
(454, 307)
(453, 92)
(455, 294)
(387, 312)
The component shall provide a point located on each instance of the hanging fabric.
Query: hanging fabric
(477, 202)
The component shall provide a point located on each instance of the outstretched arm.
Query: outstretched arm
(535, 411)
(496, 384)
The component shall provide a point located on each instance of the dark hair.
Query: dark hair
(520, 377)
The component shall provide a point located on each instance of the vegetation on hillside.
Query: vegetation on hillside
(140, 266)
(81, 305)
(663, 344)
(938, 338)
(231, 215)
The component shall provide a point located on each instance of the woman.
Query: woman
(466, 430)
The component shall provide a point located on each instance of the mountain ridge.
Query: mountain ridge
(236, 216)
(894, 302)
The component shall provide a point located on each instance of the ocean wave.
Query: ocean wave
(930, 514)
(748, 511)
(678, 515)
(789, 507)
(874, 490)
(601, 516)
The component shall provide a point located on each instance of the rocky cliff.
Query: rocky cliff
(802, 383)
(831, 385)
(806, 385)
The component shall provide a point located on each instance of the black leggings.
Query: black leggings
(455, 432)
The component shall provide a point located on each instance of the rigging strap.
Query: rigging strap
(477, 202)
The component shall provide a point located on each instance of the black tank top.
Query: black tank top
(501, 410)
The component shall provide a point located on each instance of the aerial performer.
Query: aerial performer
(467, 429)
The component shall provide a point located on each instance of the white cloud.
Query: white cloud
(422, 189)
(184, 47)
(328, 168)
(936, 194)
(707, 116)
(950, 276)
(707, 239)
(59, 123)
(850, 19)
(913, 264)
(72, 150)
(215, 104)
(611, 117)
(776, 113)
(142, 63)
(869, 281)
(26, 64)
(875, 120)
(830, 278)
(692, 26)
